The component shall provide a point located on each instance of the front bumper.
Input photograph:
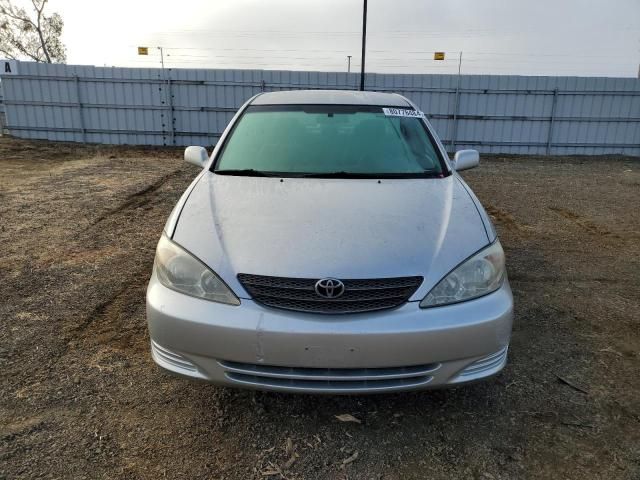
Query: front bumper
(401, 349)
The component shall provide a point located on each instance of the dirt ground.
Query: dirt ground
(81, 398)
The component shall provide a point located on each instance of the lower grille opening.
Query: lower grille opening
(330, 385)
(329, 379)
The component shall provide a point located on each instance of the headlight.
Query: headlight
(479, 275)
(179, 270)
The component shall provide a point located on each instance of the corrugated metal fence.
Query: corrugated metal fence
(506, 114)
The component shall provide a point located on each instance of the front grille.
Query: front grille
(345, 380)
(360, 295)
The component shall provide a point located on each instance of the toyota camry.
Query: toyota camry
(329, 245)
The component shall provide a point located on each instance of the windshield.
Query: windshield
(329, 139)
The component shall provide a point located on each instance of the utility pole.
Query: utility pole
(348, 63)
(364, 42)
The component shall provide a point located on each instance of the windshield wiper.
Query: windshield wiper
(343, 174)
(244, 172)
(340, 174)
(250, 172)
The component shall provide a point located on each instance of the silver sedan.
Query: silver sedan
(329, 245)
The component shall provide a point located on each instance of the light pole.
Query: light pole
(348, 63)
(161, 57)
(364, 41)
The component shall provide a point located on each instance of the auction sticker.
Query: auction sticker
(402, 112)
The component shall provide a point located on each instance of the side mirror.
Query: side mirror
(196, 155)
(466, 159)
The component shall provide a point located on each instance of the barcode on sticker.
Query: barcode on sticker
(402, 112)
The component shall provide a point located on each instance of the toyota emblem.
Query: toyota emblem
(329, 287)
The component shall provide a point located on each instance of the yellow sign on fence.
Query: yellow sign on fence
(143, 50)
(438, 55)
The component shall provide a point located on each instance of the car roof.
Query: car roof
(331, 97)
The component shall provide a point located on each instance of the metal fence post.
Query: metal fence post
(454, 133)
(553, 114)
(2, 118)
(80, 113)
(171, 110)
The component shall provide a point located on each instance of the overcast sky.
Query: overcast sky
(527, 37)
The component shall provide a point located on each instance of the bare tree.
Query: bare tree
(33, 35)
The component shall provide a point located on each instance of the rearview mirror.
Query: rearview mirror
(196, 155)
(466, 159)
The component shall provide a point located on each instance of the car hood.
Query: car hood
(342, 228)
